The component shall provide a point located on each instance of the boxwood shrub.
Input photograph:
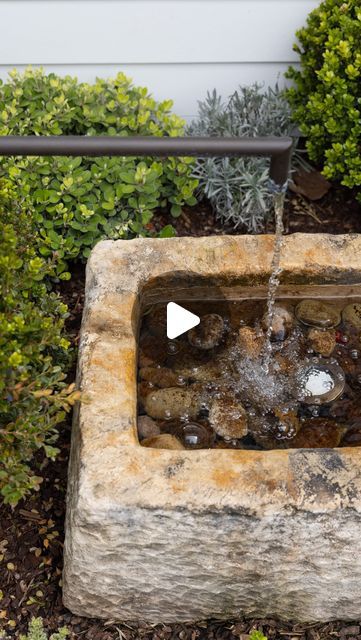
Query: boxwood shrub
(33, 351)
(327, 94)
(78, 201)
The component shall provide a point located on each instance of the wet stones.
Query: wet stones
(288, 423)
(282, 323)
(279, 427)
(206, 372)
(323, 341)
(318, 433)
(316, 313)
(147, 428)
(352, 437)
(208, 334)
(163, 441)
(173, 402)
(315, 433)
(161, 377)
(210, 387)
(228, 417)
(251, 342)
(352, 314)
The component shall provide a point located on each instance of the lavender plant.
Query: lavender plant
(238, 188)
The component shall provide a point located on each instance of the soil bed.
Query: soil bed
(31, 536)
(337, 212)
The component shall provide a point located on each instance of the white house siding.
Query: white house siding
(177, 48)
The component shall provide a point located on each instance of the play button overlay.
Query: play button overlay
(179, 320)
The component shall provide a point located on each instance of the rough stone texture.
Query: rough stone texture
(166, 535)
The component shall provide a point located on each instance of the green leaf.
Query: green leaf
(176, 210)
(167, 232)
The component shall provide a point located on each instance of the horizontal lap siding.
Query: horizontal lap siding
(178, 48)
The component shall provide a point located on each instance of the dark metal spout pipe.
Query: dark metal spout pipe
(279, 149)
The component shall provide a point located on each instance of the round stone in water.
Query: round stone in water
(317, 313)
(352, 314)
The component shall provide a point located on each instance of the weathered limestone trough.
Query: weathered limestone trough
(163, 535)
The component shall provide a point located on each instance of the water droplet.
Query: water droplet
(173, 348)
(355, 354)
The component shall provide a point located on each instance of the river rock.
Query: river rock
(228, 417)
(147, 427)
(274, 431)
(317, 313)
(318, 433)
(174, 402)
(144, 389)
(206, 372)
(163, 441)
(322, 341)
(208, 333)
(352, 437)
(162, 377)
(352, 314)
(282, 363)
(282, 323)
(156, 320)
(250, 342)
(288, 423)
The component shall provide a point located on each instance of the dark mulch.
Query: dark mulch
(31, 536)
(337, 212)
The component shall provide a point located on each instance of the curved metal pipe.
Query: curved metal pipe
(279, 149)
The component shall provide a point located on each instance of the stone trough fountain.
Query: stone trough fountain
(243, 525)
(171, 535)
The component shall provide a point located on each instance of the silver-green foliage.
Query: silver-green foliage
(36, 632)
(238, 188)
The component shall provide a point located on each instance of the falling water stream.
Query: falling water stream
(274, 280)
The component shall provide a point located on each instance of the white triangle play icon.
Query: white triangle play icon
(179, 320)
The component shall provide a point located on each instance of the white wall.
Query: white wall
(177, 48)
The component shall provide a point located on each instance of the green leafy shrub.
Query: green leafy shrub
(36, 632)
(238, 188)
(78, 201)
(33, 395)
(327, 94)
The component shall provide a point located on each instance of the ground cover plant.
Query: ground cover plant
(78, 201)
(239, 188)
(326, 96)
(36, 632)
(33, 352)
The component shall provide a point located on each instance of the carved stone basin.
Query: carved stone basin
(163, 535)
